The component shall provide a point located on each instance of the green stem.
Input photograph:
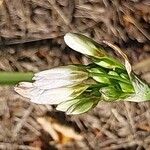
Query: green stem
(12, 78)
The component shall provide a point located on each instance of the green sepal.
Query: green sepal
(98, 74)
(113, 73)
(127, 88)
(110, 93)
(101, 79)
(64, 106)
(124, 76)
(108, 62)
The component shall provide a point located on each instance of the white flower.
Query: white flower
(84, 45)
(55, 85)
(60, 77)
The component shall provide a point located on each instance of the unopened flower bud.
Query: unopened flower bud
(110, 93)
(109, 62)
(60, 77)
(55, 85)
(98, 74)
(84, 45)
(77, 106)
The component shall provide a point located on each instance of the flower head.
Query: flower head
(78, 88)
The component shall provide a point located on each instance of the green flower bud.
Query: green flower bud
(101, 79)
(109, 62)
(98, 74)
(126, 87)
(87, 46)
(96, 70)
(113, 73)
(110, 93)
(77, 106)
(124, 76)
(64, 106)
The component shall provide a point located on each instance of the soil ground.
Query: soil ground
(31, 39)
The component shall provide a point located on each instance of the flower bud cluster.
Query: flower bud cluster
(75, 89)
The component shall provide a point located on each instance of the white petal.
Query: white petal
(56, 96)
(60, 77)
(26, 84)
(52, 84)
(39, 96)
(82, 44)
(24, 89)
(61, 72)
(53, 96)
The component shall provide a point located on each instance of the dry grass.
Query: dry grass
(110, 126)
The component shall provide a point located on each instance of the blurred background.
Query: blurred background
(31, 40)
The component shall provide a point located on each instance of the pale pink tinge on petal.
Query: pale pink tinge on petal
(40, 96)
(60, 77)
(26, 84)
(24, 89)
(55, 85)
(61, 72)
(54, 73)
(51, 84)
(53, 96)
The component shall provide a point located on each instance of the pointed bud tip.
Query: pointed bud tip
(84, 45)
(69, 35)
(80, 43)
(16, 89)
(70, 40)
